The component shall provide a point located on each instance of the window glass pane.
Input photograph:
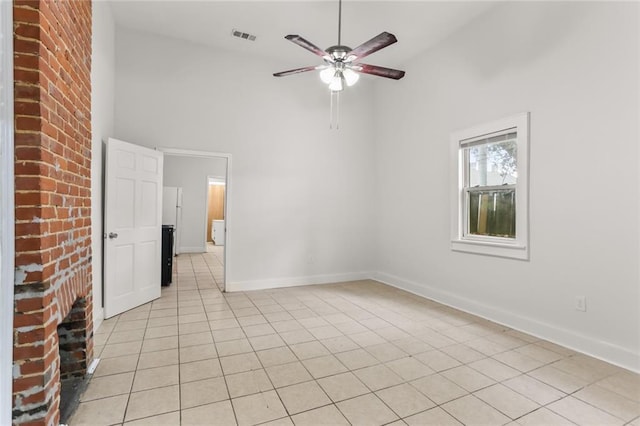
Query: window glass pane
(492, 164)
(492, 213)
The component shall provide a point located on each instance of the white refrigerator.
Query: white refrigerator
(172, 213)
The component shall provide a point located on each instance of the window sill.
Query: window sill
(491, 248)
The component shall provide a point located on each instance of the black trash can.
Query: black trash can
(167, 254)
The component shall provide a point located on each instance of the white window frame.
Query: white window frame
(518, 247)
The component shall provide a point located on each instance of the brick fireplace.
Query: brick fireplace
(53, 329)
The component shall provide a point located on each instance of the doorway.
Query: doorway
(191, 171)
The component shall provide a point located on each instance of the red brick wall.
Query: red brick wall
(52, 64)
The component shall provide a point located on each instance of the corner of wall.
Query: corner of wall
(7, 241)
(102, 121)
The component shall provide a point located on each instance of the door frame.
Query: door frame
(7, 213)
(227, 196)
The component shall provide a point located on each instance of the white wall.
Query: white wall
(302, 195)
(102, 123)
(574, 66)
(7, 238)
(190, 173)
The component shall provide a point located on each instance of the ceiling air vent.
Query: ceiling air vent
(242, 35)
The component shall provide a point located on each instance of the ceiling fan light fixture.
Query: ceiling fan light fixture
(326, 75)
(337, 83)
(350, 77)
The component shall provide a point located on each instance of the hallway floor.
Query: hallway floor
(359, 353)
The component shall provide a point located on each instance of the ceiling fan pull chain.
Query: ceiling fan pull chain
(337, 110)
(334, 113)
(331, 110)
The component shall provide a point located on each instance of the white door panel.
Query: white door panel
(133, 219)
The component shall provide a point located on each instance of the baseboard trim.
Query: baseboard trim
(296, 281)
(606, 351)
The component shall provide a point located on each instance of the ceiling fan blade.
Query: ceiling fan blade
(378, 71)
(380, 41)
(297, 71)
(306, 44)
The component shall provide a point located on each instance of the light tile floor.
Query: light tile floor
(358, 353)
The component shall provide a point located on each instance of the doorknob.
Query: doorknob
(113, 235)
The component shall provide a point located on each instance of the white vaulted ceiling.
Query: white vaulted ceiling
(418, 25)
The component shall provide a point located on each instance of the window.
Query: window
(490, 188)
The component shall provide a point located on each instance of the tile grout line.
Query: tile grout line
(224, 378)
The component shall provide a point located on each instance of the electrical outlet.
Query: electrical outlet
(581, 303)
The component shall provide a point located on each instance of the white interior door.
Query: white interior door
(133, 226)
